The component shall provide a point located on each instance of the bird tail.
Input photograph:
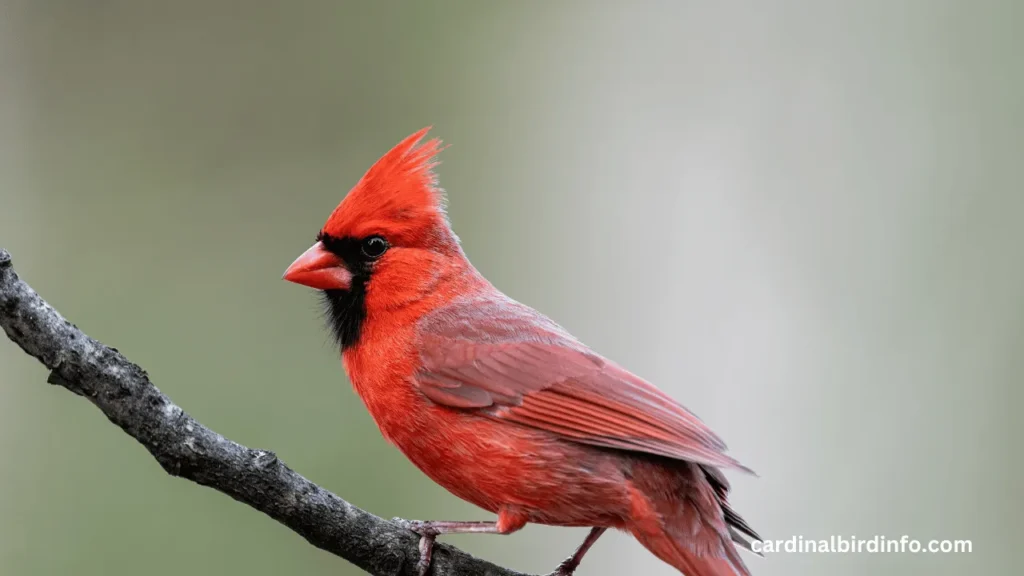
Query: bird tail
(679, 513)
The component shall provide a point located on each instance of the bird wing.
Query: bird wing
(510, 363)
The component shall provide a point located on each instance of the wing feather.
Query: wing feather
(515, 365)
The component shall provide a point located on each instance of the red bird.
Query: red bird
(496, 402)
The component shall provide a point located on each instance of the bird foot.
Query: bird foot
(420, 527)
(570, 564)
(566, 568)
(428, 535)
(429, 531)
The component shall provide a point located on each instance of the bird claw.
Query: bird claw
(427, 537)
(402, 523)
(566, 568)
(418, 526)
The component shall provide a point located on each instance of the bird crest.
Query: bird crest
(398, 198)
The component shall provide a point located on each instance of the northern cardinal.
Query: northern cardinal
(496, 402)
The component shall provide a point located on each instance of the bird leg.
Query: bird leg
(569, 565)
(429, 531)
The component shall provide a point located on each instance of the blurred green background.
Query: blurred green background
(804, 220)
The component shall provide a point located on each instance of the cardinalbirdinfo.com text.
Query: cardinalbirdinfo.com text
(853, 545)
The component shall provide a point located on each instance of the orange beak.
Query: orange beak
(319, 268)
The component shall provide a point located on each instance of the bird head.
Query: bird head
(387, 243)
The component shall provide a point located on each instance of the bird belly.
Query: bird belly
(498, 466)
(509, 468)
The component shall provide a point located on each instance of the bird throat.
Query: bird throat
(346, 312)
(346, 309)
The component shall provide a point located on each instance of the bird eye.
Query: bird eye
(374, 247)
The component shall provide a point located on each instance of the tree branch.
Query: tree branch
(186, 448)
